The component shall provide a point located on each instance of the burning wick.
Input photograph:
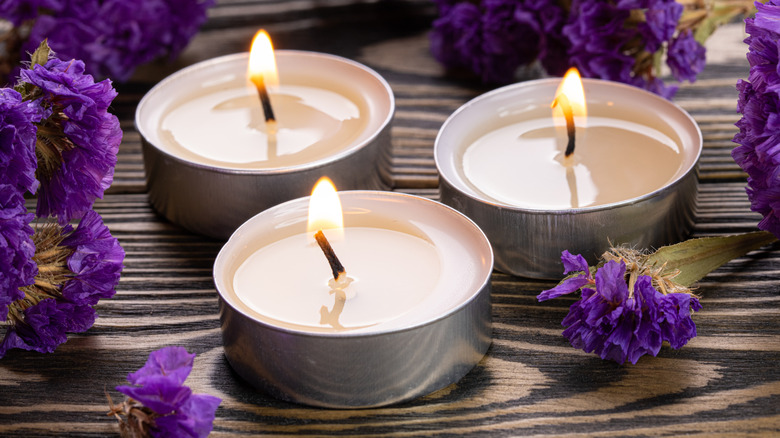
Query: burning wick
(263, 73)
(335, 265)
(265, 101)
(563, 101)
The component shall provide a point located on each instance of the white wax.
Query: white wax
(288, 280)
(222, 123)
(522, 164)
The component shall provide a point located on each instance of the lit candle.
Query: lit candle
(523, 163)
(412, 317)
(630, 179)
(289, 281)
(213, 160)
(314, 119)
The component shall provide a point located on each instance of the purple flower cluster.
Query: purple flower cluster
(493, 38)
(113, 37)
(72, 103)
(177, 412)
(60, 303)
(617, 321)
(603, 39)
(56, 136)
(759, 127)
(17, 268)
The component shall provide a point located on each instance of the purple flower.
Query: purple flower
(17, 141)
(175, 410)
(173, 363)
(81, 138)
(19, 11)
(456, 35)
(759, 128)
(620, 319)
(96, 261)
(686, 57)
(661, 18)
(194, 418)
(597, 35)
(17, 268)
(571, 263)
(491, 39)
(615, 40)
(63, 289)
(115, 36)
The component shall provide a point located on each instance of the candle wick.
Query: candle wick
(335, 265)
(265, 101)
(563, 101)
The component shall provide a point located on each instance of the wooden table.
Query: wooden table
(531, 382)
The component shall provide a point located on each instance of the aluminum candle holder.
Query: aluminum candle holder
(212, 196)
(529, 241)
(420, 348)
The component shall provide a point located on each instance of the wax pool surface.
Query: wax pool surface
(287, 281)
(522, 164)
(224, 125)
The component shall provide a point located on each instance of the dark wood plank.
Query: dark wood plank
(531, 382)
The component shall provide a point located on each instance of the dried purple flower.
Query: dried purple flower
(621, 316)
(686, 57)
(19, 11)
(494, 38)
(759, 128)
(17, 268)
(619, 40)
(60, 299)
(17, 141)
(115, 36)
(78, 138)
(162, 405)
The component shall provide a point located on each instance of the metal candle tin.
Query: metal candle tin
(214, 200)
(431, 346)
(529, 242)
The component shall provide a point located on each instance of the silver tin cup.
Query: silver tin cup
(213, 200)
(433, 345)
(529, 242)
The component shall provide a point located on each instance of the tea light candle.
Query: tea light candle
(631, 179)
(392, 271)
(413, 317)
(211, 160)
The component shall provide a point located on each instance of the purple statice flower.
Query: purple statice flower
(19, 11)
(492, 39)
(615, 40)
(455, 38)
(78, 137)
(686, 57)
(661, 17)
(96, 261)
(159, 387)
(620, 319)
(74, 269)
(510, 38)
(553, 45)
(758, 153)
(17, 268)
(115, 36)
(17, 141)
(597, 34)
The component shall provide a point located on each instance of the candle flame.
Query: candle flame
(325, 209)
(571, 87)
(262, 62)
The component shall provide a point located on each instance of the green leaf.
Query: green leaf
(695, 258)
(41, 54)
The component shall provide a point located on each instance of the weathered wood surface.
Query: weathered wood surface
(531, 382)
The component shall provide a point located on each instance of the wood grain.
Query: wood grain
(531, 382)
